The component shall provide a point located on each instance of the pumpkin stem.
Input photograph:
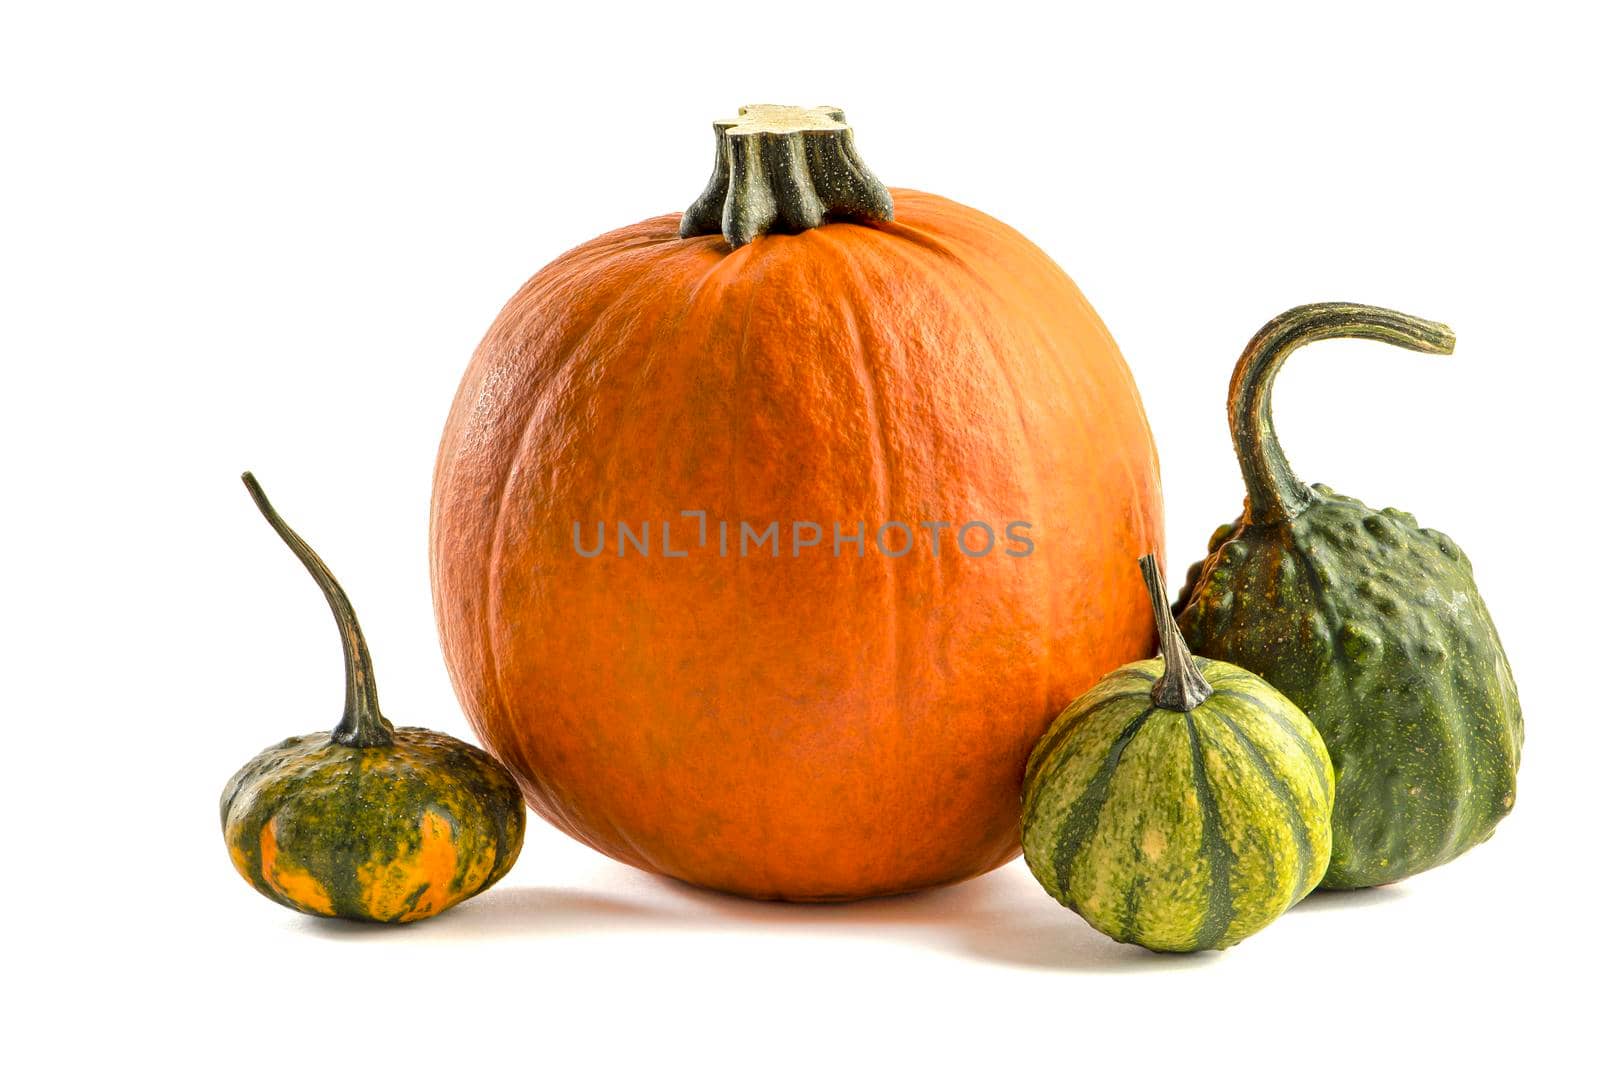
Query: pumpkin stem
(1181, 687)
(1272, 492)
(363, 724)
(783, 169)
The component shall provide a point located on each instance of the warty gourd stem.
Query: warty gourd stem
(1273, 493)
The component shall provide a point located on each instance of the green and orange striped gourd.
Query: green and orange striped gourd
(1181, 803)
(368, 821)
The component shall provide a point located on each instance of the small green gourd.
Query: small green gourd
(1370, 623)
(368, 821)
(1181, 803)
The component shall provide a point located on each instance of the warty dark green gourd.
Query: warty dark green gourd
(1370, 623)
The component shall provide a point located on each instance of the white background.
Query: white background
(270, 236)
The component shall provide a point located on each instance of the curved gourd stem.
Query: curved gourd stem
(1273, 492)
(1181, 687)
(782, 169)
(363, 724)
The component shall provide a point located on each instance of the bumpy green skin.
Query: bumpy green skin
(1375, 628)
(1176, 830)
(390, 833)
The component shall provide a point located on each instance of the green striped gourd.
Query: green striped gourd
(1181, 803)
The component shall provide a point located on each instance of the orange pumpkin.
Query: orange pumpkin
(832, 707)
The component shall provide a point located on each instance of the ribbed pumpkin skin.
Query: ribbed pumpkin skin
(812, 727)
(391, 833)
(1179, 831)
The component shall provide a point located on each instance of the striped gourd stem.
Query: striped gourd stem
(1181, 687)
